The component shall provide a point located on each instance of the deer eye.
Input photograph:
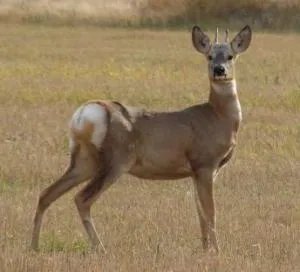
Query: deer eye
(210, 57)
(230, 57)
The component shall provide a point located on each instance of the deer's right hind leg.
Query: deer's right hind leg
(80, 169)
(89, 194)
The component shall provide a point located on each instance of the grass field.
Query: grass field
(46, 72)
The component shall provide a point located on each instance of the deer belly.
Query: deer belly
(160, 166)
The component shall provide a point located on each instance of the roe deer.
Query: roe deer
(108, 139)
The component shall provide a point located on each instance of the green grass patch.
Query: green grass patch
(52, 243)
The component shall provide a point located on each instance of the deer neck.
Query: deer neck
(225, 102)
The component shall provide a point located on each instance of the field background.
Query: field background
(270, 14)
(47, 70)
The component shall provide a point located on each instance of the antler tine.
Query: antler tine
(216, 35)
(227, 35)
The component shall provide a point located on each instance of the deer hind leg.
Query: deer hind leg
(203, 182)
(89, 194)
(81, 168)
(88, 129)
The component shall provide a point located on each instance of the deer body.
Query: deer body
(163, 144)
(108, 139)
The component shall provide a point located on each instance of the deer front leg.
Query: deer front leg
(203, 181)
(203, 224)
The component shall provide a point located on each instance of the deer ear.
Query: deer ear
(200, 40)
(242, 40)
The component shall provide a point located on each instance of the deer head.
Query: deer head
(221, 56)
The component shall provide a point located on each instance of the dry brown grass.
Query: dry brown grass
(146, 226)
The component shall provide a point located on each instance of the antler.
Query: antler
(226, 36)
(216, 35)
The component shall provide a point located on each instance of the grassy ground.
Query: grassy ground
(146, 226)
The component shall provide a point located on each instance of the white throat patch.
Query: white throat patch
(227, 88)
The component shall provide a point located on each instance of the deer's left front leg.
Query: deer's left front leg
(203, 181)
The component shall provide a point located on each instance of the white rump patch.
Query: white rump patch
(92, 113)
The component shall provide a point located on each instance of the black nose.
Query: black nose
(219, 70)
